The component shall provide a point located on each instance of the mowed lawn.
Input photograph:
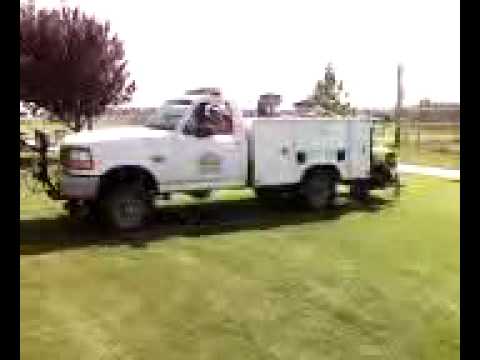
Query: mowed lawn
(359, 282)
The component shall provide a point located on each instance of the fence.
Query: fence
(430, 143)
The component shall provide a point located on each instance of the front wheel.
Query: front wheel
(319, 190)
(127, 207)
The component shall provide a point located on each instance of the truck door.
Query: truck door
(212, 153)
(359, 140)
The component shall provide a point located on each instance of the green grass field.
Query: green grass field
(359, 282)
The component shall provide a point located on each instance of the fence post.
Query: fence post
(418, 136)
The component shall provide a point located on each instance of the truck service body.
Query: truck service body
(174, 151)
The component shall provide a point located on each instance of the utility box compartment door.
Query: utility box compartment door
(285, 148)
(360, 144)
(275, 156)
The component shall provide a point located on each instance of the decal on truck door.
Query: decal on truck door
(210, 164)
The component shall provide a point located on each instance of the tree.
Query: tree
(327, 95)
(70, 65)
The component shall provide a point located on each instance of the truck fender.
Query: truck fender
(327, 167)
(128, 174)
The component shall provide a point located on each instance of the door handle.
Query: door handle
(157, 158)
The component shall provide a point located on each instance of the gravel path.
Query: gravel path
(431, 171)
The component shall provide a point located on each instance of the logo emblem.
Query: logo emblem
(210, 163)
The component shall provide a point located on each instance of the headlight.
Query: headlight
(80, 155)
(76, 158)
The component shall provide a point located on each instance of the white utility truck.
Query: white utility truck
(198, 143)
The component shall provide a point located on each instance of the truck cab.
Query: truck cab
(207, 148)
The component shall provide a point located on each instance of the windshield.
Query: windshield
(168, 116)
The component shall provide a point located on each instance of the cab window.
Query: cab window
(214, 119)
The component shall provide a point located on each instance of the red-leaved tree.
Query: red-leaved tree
(70, 65)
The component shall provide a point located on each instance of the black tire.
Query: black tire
(319, 190)
(126, 207)
(359, 190)
(200, 194)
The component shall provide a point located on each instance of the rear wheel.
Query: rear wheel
(319, 190)
(127, 207)
(359, 190)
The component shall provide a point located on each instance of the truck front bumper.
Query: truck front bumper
(79, 187)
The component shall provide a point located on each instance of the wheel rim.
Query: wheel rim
(129, 212)
(319, 192)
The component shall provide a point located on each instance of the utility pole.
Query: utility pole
(398, 107)
(398, 113)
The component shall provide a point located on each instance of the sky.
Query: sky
(249, 47)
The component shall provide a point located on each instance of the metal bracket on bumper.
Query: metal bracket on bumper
(40, 166)
(79, 187)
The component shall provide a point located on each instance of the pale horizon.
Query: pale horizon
(248, 48)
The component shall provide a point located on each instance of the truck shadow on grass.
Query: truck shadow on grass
(38, 236)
